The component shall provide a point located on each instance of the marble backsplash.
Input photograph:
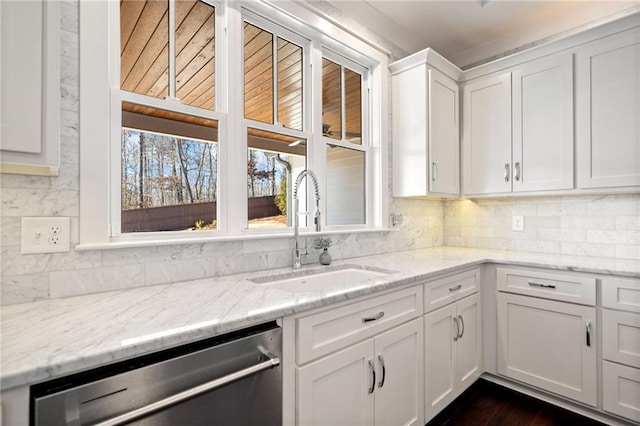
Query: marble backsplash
(588, 225)
(40, 276)
(604, 226)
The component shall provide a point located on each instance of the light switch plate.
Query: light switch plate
(45, 235)
(517, 223)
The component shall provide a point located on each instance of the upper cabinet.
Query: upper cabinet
(608, 111)
(487, 135)
(29, 65)
(426, 156)
(518, 129)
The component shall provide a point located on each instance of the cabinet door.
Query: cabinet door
(439, 355)
(486, 135)
(548, 344)
(400, 376)
(335, 389)
(621, 337)
(543, 125)
(607, 111)
(444, 139)
(467, 366)
(621, 390)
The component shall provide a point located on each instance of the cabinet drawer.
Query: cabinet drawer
(620, 390)
(621, 337)
(549, 285)
(449, 289)
(621, 293)
(328, 331)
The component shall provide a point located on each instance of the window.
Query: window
(208, 110)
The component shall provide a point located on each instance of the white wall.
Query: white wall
(33, 277)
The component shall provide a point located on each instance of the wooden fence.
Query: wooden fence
(176, 218)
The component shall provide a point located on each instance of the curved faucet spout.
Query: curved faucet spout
(297, 252)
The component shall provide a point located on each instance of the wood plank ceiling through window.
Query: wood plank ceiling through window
(144, 42)
(145, 65)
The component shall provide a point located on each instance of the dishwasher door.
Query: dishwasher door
(236, 380)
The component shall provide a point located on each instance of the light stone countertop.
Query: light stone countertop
(52, 338)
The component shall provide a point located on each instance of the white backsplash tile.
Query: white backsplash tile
(552, 224)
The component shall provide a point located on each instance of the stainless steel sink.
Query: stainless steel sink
(318, 279)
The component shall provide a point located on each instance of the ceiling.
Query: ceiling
(468, 32)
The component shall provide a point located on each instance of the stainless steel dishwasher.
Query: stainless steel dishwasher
(234, 379)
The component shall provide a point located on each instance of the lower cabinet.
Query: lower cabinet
(621, 390)
(452, 348)
(548, 344)
(376, 382)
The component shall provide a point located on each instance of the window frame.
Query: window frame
(100, 115)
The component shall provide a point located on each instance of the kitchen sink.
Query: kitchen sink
(318, 279)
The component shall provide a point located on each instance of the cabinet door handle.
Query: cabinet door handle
(506, 172)
(374, 317)
(373, 376)
(462, 324)
(534, 284)
(455, 321)
(434, 171)
(516, 171)
(384, 370)
(588, 329)
(456, 288)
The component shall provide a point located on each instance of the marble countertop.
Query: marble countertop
(52, 338)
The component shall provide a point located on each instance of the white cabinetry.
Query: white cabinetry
(361, 363)
(519, 138)
(608, 111)
(621, 347)
(452, 339)
(486, 135)
(426, 153)
(548, 343)
(29, 111)
(451, 352)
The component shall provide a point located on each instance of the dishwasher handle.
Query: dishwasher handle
(172, 400)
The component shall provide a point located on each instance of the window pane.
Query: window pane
(144, 47)
(345, 186)
(169, 170)
(353, 106)
(258, 74)
(289, 84)
(331, 99)
(195, 59)
(269, 178)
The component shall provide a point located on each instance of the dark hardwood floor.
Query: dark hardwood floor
(488, 404)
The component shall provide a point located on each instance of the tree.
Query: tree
(282, 196)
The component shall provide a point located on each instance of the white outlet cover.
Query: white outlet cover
(45, 235)
(517, 223)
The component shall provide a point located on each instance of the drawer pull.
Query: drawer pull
(532, 284)
(462, 324)
(455, 321)
(373, 376)
(588, 327)
(456, 288)
(384, 370)
(374, 317)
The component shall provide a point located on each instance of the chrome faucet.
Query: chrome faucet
(297, 252)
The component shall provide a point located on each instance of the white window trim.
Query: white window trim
(97, 107)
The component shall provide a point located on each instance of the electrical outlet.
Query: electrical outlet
(45, 234)
(517, 223)
(396, 220)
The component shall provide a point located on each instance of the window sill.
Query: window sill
(121, 243)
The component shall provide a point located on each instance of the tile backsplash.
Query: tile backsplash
(579, 225)
(41, 276)
(589, 225)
